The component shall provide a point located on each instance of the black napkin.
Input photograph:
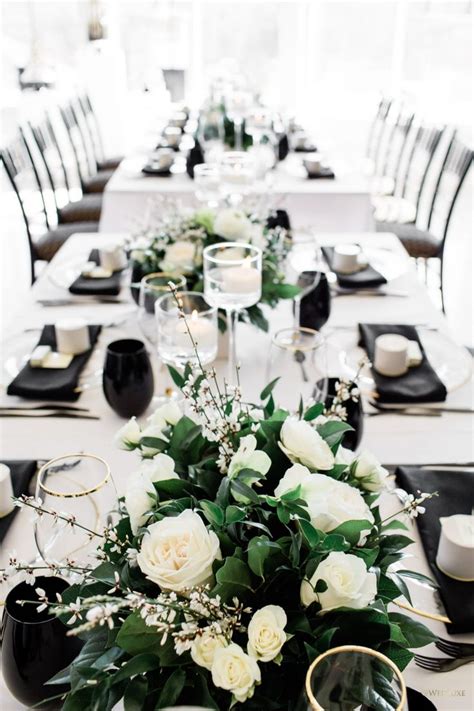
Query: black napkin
(419, 384)
(455, 496)
(323, 172)
(52, 383)
(368, 278)
(157, 172)
(96, 287)
(22, 472)
(279, 218)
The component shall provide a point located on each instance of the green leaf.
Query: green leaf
(176, 377)
(172, 689)
(351, 530)
(287, 291)
(258, 551)
(135, 637)
(234, 514)
(418, 576)
(105, 572)
(154, 443)
(233, 576)
(402, 657)
(333, 430)
(140, 664)
(243, 493)
(314, 411)
(415, 633)
(212, 512)
(395, 525)
(135, 693)
(335, 542)
(311, 534)
(267, 390)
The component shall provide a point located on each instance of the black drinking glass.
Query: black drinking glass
(315, 305)
(35, 645)
(355, 415)
(127, 379)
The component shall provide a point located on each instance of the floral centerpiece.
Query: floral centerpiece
(175, 242)
(249, 542)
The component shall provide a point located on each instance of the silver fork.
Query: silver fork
(455, 649)
(436, 664)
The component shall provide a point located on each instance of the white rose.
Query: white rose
(235, 671)
(179, 256)
(160, 468)
(349, 583)
(344, 456)
(138, 499)
(249, 457)
(330, 502)
(266, 633)
(178, 552)
(233, 225)
(204, 649)
(301, 443)
(128, 436)
(372, 475)
(170, 413)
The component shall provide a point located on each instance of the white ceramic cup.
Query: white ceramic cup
(391, 354)
(6, 491)
(312, 162)
(113, 258)
(172, 135)
(346, 258)
(455, 556)
(72, 336)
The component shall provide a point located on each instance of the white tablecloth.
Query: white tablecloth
(340, 205)
(393, 438)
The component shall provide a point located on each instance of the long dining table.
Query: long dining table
(393, 437)
(341, 204)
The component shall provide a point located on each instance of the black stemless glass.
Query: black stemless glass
(35, 645)
(355, 416)
(315, 306)
(128, 377)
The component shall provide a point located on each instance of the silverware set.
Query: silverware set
(459, 654)
(65, 411)
(414, 410)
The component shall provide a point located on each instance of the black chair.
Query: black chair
(92, 180)
(429, 242)
(22, 174)
(389, 173)
(86, 111)
(85, 209)
(376, 133)
(404, 205)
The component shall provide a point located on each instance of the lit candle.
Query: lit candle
(241, 280)
(391, 354)
(346, 258)
(202, 330)
(113, 258)
(6, 491)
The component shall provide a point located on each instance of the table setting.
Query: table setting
(225, 451)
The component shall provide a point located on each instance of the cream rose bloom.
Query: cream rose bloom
(301, 443)
(204, 648)
(160, 468)
(178, 552)
(249, 457)
(266, 633)
(372, 475)
(169, 414)
(138, 499)
(330, 502)
(233, 225)
(128, 436)
(235, 671)
(179, 257)
(151, 431)
(349, 583)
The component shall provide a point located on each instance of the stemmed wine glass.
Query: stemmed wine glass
(304, 267)
(79, 486)
(349, 678)
(232, 281)
(207, 183)
(237, 106)
(237, 172)
(179, 338)
(211, 132)
(298, 356)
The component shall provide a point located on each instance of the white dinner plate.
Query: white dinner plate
(451, 362)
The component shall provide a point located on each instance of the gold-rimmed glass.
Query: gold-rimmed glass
(80, 489)
(353, 678)
(152, 287)
(298, 357)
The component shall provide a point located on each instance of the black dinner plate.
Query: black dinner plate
(324, 172)
(418, 701)
(162, 172)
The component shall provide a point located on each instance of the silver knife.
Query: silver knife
(73, 414)
(84, 300)
(368, 292)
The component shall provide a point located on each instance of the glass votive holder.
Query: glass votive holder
(207, 183)
(179, 338)
(152, 287)
(237, 174)
(232, 275)
(172, 136)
